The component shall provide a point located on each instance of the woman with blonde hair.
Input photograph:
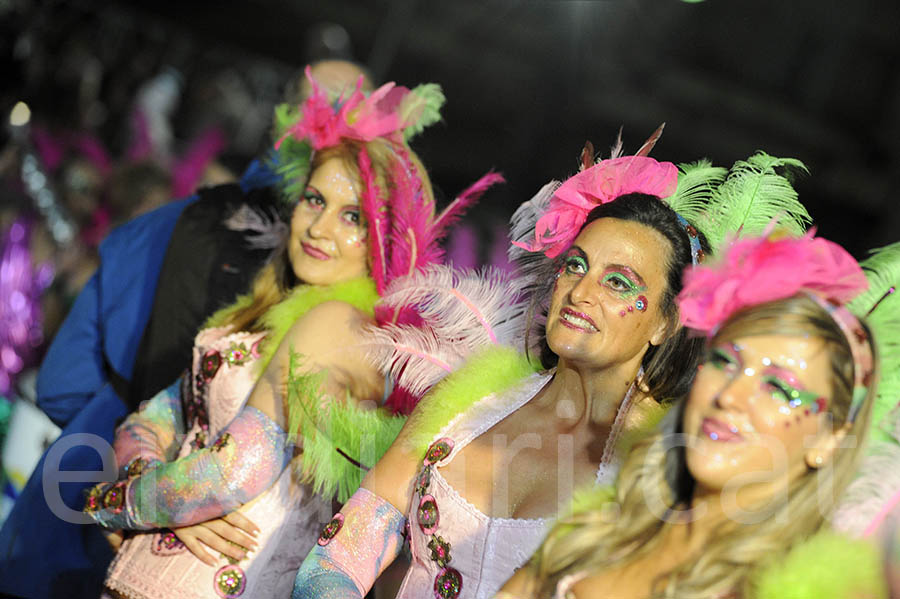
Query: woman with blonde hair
(751, 463)
(208, 457)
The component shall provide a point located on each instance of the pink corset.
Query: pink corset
(289, 515)
(457, 551)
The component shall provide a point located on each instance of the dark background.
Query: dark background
(527, 82)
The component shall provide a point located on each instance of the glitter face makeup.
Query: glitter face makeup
(610, 266)
(755, 407)
(328, 238)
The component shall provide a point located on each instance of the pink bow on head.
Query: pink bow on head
(759, 270)
(357, 117)
(599, 184)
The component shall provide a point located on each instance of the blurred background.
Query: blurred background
(109, 109)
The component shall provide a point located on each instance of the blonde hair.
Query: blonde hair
(624, 529)
(277, 278)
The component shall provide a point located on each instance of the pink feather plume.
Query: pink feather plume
(464, 201)
(376, 212)
(759, 270)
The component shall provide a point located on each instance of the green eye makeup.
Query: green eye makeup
(795, 398)
(621, 284)
(576, 265)
(721, 360)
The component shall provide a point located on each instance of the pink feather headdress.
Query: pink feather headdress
(383, 113)
(763, 269)
(573, 200)
(758, 270)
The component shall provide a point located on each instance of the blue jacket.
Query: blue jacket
(41, 555)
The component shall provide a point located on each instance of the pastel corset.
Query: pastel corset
(457, 551)
(157, 565)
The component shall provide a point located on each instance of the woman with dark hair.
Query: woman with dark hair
(749, 466)
(504, 446)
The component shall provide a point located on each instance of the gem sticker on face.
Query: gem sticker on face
(755, 407)
(328, 237)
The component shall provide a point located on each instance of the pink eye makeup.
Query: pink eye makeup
(312, 197)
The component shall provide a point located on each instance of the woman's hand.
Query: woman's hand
(227, 535)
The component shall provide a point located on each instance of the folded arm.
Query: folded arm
(246, 459)
(153, 434)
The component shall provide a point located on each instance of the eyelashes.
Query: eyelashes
(794, 397)
(576, 265)
(779, 389)
(722, 360)
(313, 198)
(622, 284)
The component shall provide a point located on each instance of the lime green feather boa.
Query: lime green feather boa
(278, 319)
(493, 370)
(342, 439)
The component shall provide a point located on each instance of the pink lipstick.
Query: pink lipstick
(577, 320)
(314, 252)
(720, 431)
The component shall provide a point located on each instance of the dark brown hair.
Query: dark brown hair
(669, 367)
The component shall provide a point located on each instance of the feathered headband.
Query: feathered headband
(404, 232)
(764, 269)
(598, 184)
(392, 112)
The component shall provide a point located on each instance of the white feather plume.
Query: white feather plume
(463, 312)
(521, 229)
(414, 357)
(470, 309)
(867, 497)
(266, 230)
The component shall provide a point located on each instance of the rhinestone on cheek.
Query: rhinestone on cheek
(230, 581)
(447, 584)
(428, 514)
(331, 529)
(439, 450)
(641, 303)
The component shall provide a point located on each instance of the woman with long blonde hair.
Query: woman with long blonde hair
(204, 464)
(751, 463)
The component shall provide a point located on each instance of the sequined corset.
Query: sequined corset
(457, 551)
(157, 565)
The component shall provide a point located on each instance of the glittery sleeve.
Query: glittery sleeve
(153, 433)
(246, 459)
(353, 550)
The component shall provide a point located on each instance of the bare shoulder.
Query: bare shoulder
(332, 323)
(590, 587)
